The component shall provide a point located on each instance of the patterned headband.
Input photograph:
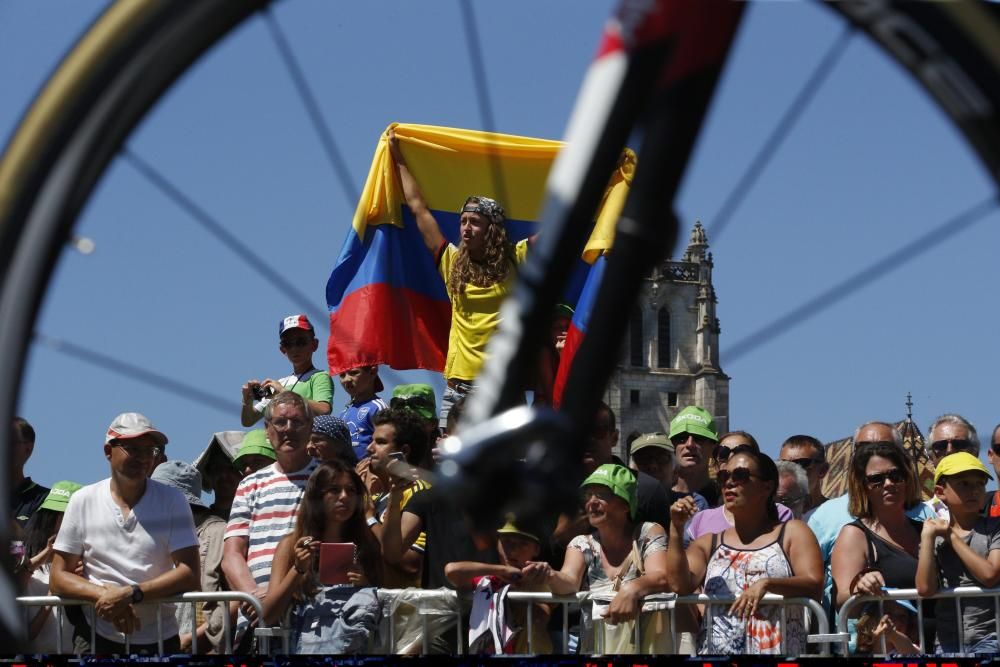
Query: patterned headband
(486, 207)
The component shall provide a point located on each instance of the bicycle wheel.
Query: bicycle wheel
(137, 49)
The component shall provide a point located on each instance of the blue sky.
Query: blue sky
(870, 167)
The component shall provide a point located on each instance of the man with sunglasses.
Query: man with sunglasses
(137, 542)
(833, 515)
(297, 341)
(949, 434)
(694, 437)
(810, 455)
(992, 508)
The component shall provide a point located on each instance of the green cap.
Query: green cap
(620, 480)
(417, 397)
(696, 421)
(255, 442)
(58, 497)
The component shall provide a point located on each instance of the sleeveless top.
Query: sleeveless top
(732, 570)
(898, 567)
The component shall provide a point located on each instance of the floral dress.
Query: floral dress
(731, 571)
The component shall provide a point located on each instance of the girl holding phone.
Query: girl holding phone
(332, 513)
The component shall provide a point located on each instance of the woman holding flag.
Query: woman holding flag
(478, 274)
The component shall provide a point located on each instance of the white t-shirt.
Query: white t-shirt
(123, 551)
(46, 642)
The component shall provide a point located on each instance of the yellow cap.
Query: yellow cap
(957, 463)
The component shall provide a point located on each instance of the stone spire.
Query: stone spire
(697, 245)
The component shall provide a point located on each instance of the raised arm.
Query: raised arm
(426, 223)
(927, 567)
(400, 529)
(291, 566)
(685, 568)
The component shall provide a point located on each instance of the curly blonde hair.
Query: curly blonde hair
(497, 261)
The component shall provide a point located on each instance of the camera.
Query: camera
(260, 392)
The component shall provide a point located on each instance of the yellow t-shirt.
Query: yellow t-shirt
(474, 316)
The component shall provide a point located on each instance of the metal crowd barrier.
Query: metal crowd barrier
(957, 594)
(58, 603)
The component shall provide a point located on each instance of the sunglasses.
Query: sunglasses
(722, 454)
(788, 501)
(682, 438)
(957, 445)
(805, 463)
(738, 475)
(895, 476)
(291, 343)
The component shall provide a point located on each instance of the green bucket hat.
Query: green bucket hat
(620, 480)
(417, 397)
(255, 442)
(58, 497)
(696, 421)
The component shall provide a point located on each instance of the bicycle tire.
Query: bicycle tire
(137, 49)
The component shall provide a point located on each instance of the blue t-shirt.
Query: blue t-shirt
(359, 420)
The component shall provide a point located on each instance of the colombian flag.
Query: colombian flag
(387, 303)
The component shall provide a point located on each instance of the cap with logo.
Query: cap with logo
(654, 440)
(957, 463)
(295, 322)
(59, 496)
(696, 421)
(620, 480)
(255, 442)
(417, 397)
(182, 476)
(130, 425)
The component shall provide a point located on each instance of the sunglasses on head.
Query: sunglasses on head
(957, 445)
(722, 454)
(895, 476)
(738, 475)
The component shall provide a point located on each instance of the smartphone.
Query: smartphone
(335, 559)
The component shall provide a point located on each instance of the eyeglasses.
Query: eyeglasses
(140, 452)
(738, 475)
(722, 454)
(895, 476)
(788, 501)
(805, 463)
(873, 443)
(957, 445)
(682, 438)
(600, 494)
(296, 342)
(285, 422)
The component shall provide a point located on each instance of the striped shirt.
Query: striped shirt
(264, 511)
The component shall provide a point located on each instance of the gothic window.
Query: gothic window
(663, 338)
(635, 343)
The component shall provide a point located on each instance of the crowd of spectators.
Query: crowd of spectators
(314, 533)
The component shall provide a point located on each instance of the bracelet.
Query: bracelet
(371, 521)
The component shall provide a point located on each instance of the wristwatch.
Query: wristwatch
(137, 594)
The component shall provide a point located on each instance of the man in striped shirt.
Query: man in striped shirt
(266, 501)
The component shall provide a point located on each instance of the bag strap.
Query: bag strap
(632, 557)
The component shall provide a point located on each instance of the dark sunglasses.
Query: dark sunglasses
(296, 342)
(895, 476)
(722, 454)
(957, 445)
(738, 475)
(805, 463)
(681, 438)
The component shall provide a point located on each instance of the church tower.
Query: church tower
(671, 357)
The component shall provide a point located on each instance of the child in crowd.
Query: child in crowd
(298, 343)
(39, 534)
(898, 626)
(964, 551)
(519, 568)
(362, 384)
(255, 453)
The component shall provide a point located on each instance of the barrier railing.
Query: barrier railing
(958, 594)
(59, 603)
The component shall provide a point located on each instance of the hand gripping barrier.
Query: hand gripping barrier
(187, 598)
(956, 594)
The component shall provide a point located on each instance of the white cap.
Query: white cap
(129, 425)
